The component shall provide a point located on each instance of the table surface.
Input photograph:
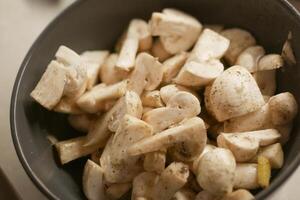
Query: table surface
(30, 17)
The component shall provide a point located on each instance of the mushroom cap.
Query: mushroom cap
(246, 176)
(270, 61)
(266, 81)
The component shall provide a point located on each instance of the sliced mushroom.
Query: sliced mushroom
(184, 194)
(249, 58)
(100, 132)
(285, 131)
(93, 101)
(155, 161)
(234, 93)
(270, 61)
(118, 166)
(168, 91)
(239, 195)
(142, 185)
(95, 156)
(188, 138)
(182, 105)
(93, 60)
(68, 105)
(178, 31)
(74, 148)
(81, 122)
(214, 27)
(246, 176)
(204, 195)
(207, 148)
(50, 87)
(266, 81)
(146, 75)
(287, 51)
(92, 181)
(197, 74)
(67, 56)
(117, 190)
(239, 41)
(216, 170)
(159, 51)
(108, 74)
(172, 66)
(170, 181)
(146, 109)
(152, 99)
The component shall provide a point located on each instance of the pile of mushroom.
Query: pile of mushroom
(148, 127)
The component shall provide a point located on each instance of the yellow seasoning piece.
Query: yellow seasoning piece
(263, 171)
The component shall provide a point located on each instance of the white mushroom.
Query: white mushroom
(168, 91)
(287, 51)
(68, 105)
(93, 101)
(118, 165)
(92, 181)
(142, 185)
(67, 56)
(216, 170)
(159, 51)
(178, 31)
(181, 105)
(95, 156)
(172, 66)
(239, 41)
(266, 81)
(234, 93)
(94, 61)
(100, 132)
(184, 194)
(285, 131)
(117, 190)
(214, 27)
(270, 61)
(188, 139)
(155, 161)
(239, 195)
(108, 74)
(246, 176)
(249, 58)
(147, 74)
(152, 99)
(207, 148)
(204, 195)
(81, 122)
(146, 109)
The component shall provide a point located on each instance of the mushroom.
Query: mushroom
(117, 190)
(95, 99)
(155, 161)
(68, 105)
(74, 148)
(188, 139)
(197, 74)
(181, 105)
(216, 170)
(118, 165)
(159, 51)
(142, 185)
(146, 109)
(250, 57)
(239, 195)
(108, 74)
(273, 153)
(270, 61)
(172, 66)
(207, 148)
(93, 60)
(147, 74)
(285, 131)
(234, 93)
(152, 99)
(246, 176)
(95, 156)
(204, 195)
(214, 27)
(266, 81)
(239, 41)
(67, 56)
(81, 122)
(170, 181)
(287, 51)
(184, 194)
(50, 88)
(166, 92)
(92, 181)
(99, 133)
(178, 31)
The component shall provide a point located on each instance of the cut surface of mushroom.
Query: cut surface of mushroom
(67, 56)
(239, 41)
(234, 93)
(147, 74)
(118, 165)
(168, 91)
(239, 195)
(155, 161)
(270, 61)
(159, 51)
(287, 51)
(93, 100)
(117, 190)
(178, 31)
(266, 81)
(92, 181)
(216, 171)
(246, 176)
(207, 148)
(188, 138)
(184, 194)
(142, 185)
(130, 104)
(81, 122)
(204, 195)
(152, 99)
(249, 58)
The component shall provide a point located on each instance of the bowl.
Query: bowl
(96, 24)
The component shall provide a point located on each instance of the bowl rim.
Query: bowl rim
(14, 96)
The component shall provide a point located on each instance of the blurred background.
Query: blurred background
(21, 21)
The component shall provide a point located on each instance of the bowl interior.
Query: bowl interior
(95, 24)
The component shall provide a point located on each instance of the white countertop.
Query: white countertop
(20, 24)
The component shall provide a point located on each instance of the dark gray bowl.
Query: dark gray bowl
(96, 24)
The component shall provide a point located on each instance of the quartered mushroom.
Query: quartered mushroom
(204, 195)
(178, 31)
(266, 81)
(117, 190)
(130, 104)
(118, 165)
(250, 57)
(155, 161)
(240, 194)
(81, 122)
(159, 51)
(93, 181)
(270, 61)
(287, 51)
(152, 99)
(166, 92)
(95, 156)
(184, 194)
(140, 29)
(67, 56)
(146, 109)
(93, 61)
(180, 106)
(234, 93)
(246, 176)
(142, 185)
(239, 41)
(216, 171)
(207, 148)
(188, 139)
(68, 105)
(94, 100)
(147, 74)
